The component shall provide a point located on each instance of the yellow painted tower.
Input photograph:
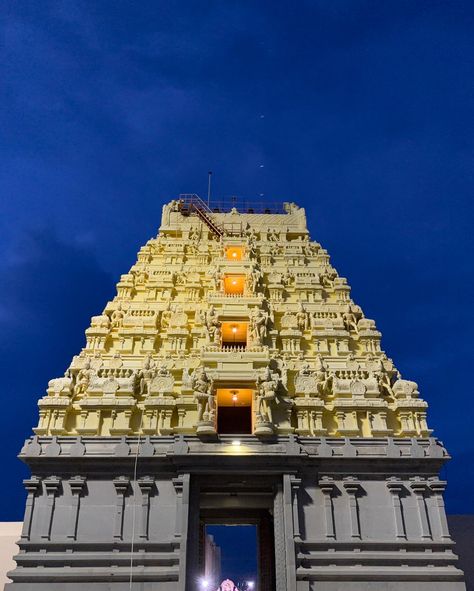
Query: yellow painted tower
(232, 311)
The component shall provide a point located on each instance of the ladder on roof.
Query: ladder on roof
(190, 203)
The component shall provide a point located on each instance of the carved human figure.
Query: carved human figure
(140, 276)
(83, 379)
(302, 318)
(253, 279)
(117, 317)
(323, 377)
(165, 318)
(290, 207)
(349, 319)
(266, 395)
(258, 325)
(166, 211)
(199, 316)
(273, 235)
(145, 375)
(289, 278)
(327, 277)
(213, 326)
(216, 278)
(202, 386)
(383, 379)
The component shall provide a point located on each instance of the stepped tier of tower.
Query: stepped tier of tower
(260, 309)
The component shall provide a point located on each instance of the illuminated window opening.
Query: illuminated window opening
(234, 334)
(234, 253)
(234, 284)
(234, 410)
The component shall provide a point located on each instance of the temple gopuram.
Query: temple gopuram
(232, 379)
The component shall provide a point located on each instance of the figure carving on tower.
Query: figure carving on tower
(213, 326)
(253, 279)
(323, 377)
(140, 276)
(266, 395)
(273, 235)
(166, 212)
(349, 319)
(117, 317)
(381, 376)
(216, 278)
(250, 233)
(202, 386)
(258, 325)
(302, 318)
(83, 379)
(326, 278)
(145, 375)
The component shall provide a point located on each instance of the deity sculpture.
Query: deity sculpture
(323, 377)
(302, 318)
(327, 277)
(266, 395)
(273, 235)
(350, 319)
(253, 279)
(202, 386)
(258, 325)
(216, 277)
(213, 326)
(83, 379)
(145, 375)
(117, 317)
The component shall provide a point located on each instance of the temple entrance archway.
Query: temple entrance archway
(237, 502)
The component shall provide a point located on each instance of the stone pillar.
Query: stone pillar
(328, 487)
(289, 482)
(438, 487)
(52, 486)
(295, 486)
(32, 485)
(353, 488)
(396, 487)
(76, 484)
(121, 486)
(146, 485)
(182, 487)
(279, 536)
(419, 488)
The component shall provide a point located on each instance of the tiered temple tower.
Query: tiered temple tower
(233, 378)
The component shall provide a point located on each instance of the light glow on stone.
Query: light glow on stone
(236, 442)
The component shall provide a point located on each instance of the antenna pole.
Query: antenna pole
(209, 176)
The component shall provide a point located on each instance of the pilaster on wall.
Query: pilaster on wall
(122, 484)
(77, 486)
(52, 486)
(32, 486)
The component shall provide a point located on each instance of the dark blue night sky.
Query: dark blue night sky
(362, 112)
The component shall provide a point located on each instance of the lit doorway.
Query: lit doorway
(237, 545)
(234, 411)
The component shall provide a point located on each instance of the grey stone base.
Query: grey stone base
(342, 514)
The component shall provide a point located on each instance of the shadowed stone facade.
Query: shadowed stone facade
(234, 313)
